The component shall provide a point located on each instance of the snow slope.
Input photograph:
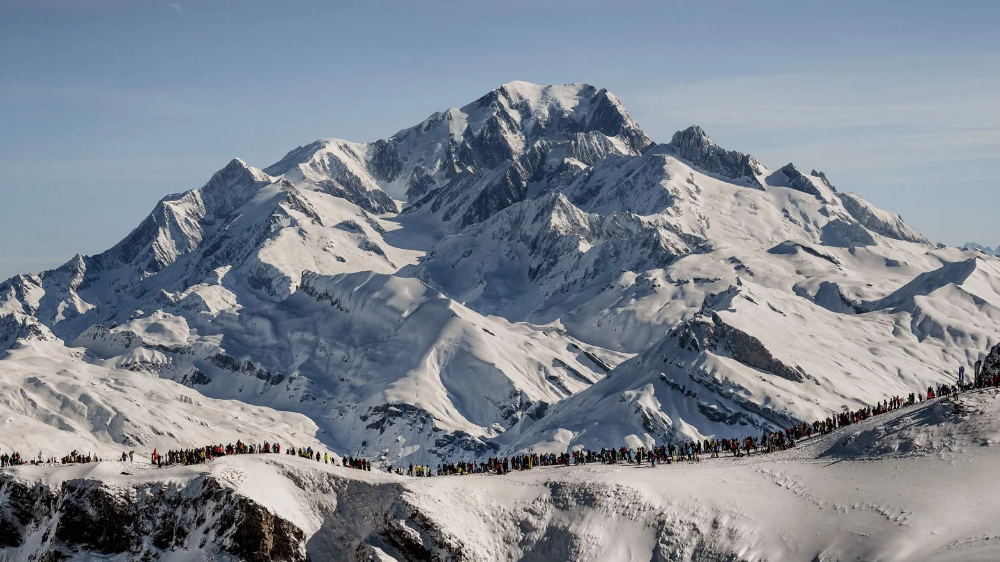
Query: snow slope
(55, 403)
(912, 485)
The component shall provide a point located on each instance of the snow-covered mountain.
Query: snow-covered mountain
(530, 271)
(980, 248)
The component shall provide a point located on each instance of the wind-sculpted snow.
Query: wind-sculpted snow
(527, 271)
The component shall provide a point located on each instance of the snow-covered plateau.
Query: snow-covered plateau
(530, 272)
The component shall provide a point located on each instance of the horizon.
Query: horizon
(113, 105)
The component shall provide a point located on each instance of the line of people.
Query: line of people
(768, 442)
(201, 455)
(15, 459)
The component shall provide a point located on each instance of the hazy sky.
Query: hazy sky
(106, 106)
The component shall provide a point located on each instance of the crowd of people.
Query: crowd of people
(694, 450)
(13, 459)
(201, 455)
(359, 464)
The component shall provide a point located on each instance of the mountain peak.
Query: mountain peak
(566, 96)
(693, 136)
(237, 167)
(694, 145)
(232, 186)
(981, 248)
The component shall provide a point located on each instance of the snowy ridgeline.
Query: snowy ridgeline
(530, 271)
(915, 484)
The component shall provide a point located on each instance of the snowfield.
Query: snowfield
(529, 272)
(914, 484)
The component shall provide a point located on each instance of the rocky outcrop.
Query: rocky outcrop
(609, 117)
(245, 367)
(799, 182)
(142, 522)
(17, 329)
(789, 247)
(822, 177)
(692, 144)
(383, 160)
(718, 337)
(991, 365)
(344, 170)
(102, 341)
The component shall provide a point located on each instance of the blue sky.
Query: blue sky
(108, 105)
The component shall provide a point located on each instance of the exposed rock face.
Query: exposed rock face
(692, 144)
(16, 328)
(348, 186)
(717, 336)
(789, 247)
(609, 117)
(991, 365)
(371, 519)
(378, 521)
(799, 182)
(100, 339)
(384, 161)
(822, 177)
(91, 517)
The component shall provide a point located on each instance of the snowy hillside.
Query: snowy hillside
(916, 484)
(529, 271)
